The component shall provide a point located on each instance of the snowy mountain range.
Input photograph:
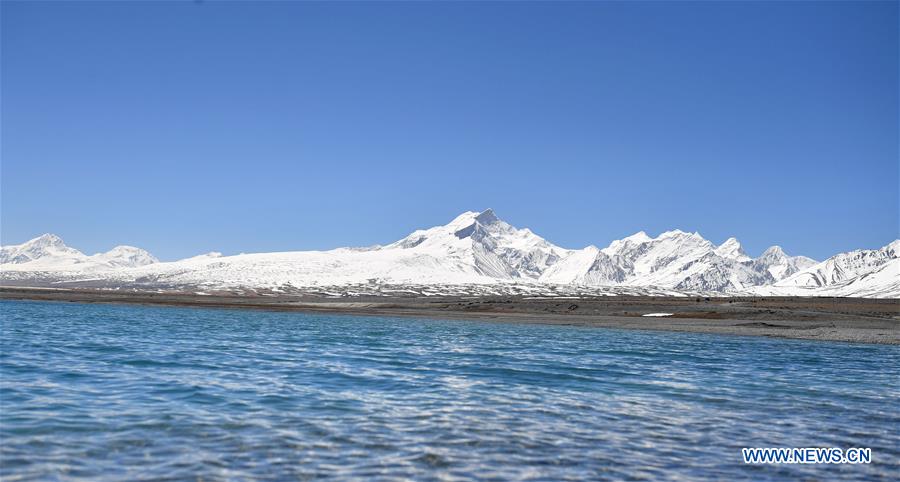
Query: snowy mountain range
(49, 252)
(476, 249)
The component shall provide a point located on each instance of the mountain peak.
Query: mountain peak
(463, 220)
(774, 251)
(680, 236)
(487, 217)
(45, 245)
(626, 243)
(126, 256)
(46, 239)
(732, 249)
(638, 237)
(677, 233)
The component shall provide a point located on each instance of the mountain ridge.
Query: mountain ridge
(480, 248)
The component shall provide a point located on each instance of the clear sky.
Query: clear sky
(189, 127)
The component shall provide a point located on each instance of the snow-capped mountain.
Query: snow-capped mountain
(589, 266)
(491, 246)
(479, 249)
(48, 252)
(674, 259)
(473, 248)
(844, 266)
(780, 265)
(125, 257)
(732, 249)
(864, 272)
(46, 246)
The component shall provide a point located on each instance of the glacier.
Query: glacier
(476, 252)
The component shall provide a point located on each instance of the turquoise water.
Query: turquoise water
(128, 392)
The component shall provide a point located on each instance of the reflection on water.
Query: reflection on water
(125, 392)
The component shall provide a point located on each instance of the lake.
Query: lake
(134, 392)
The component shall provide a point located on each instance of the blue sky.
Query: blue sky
(189, 127)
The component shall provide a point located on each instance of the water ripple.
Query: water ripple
(114, 392)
